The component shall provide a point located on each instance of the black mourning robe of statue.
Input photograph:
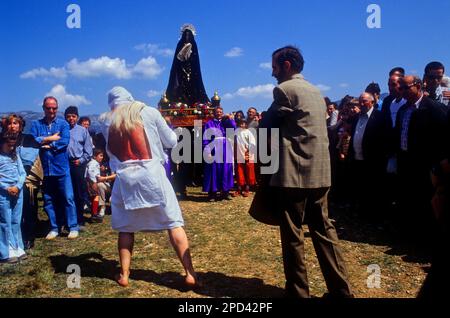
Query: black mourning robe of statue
(185, 83)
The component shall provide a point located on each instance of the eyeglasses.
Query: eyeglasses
(51, 108)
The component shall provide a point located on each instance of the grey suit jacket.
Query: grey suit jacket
(299, 111)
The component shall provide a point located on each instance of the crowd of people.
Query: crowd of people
(380, 160)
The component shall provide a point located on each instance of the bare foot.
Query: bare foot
(192, 282)
(122, 279)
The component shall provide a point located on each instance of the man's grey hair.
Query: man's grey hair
(369, 95)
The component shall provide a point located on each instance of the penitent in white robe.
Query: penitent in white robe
(143, 199)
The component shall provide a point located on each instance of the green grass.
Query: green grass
(234, 255)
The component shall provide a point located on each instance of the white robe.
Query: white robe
(151, 205)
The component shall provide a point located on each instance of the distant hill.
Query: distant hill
(30, 116)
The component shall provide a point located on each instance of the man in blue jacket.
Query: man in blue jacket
(53, 134)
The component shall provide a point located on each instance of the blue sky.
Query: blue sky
(131, 43)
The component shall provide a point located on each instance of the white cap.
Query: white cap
(119, 96)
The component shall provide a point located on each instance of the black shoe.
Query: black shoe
(227, 196)
(11, 260)
(96, 219)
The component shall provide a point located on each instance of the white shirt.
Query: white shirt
(395, 106)
(417, 104)
(92, 170)
(359, 134)
(245, 141)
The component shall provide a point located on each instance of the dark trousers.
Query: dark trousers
(79, 190)
(310, 205)
(29, 211)
(181, 176)
(29, 214)
(367, 189)
(416, 192)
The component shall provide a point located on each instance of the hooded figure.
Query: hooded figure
(185, 83)
(142, 199)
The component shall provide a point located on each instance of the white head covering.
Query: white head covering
(119, 96)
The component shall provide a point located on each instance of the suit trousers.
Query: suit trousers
(79, 190)
(367, 188)
(310, 205)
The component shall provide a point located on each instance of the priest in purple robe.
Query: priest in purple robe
(218, 154)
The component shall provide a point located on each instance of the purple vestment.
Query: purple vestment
(218, 176)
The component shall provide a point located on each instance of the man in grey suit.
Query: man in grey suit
(300, 186)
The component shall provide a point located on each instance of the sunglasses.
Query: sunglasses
(51, 108)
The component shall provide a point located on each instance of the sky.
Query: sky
(131, 43)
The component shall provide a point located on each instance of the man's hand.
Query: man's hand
(76, 162)
(13, 191)
(52, 138)
(46, 147)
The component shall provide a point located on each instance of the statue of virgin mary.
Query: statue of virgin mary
(186, 83)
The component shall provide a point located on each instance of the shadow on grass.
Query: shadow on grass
(214, 284)
(91, 264)
(353, 228)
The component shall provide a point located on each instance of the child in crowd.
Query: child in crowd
(98, 185)
(245, 159)
(344, 134)
(12, 178)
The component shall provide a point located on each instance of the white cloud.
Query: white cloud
(102, 66)
(235, 52)
(148, 68)
(323, 88)
(266, 66)
(228, 96)
(152, 93)
(52, 72)
(65, 99)
(344, 85)
(155, 49)
(264, 91)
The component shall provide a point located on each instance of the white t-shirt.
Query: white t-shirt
(92, 170)
(395, 106)
(245, 141)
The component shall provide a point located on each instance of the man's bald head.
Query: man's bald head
(411, 88)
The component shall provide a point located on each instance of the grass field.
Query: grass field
(234, 255)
